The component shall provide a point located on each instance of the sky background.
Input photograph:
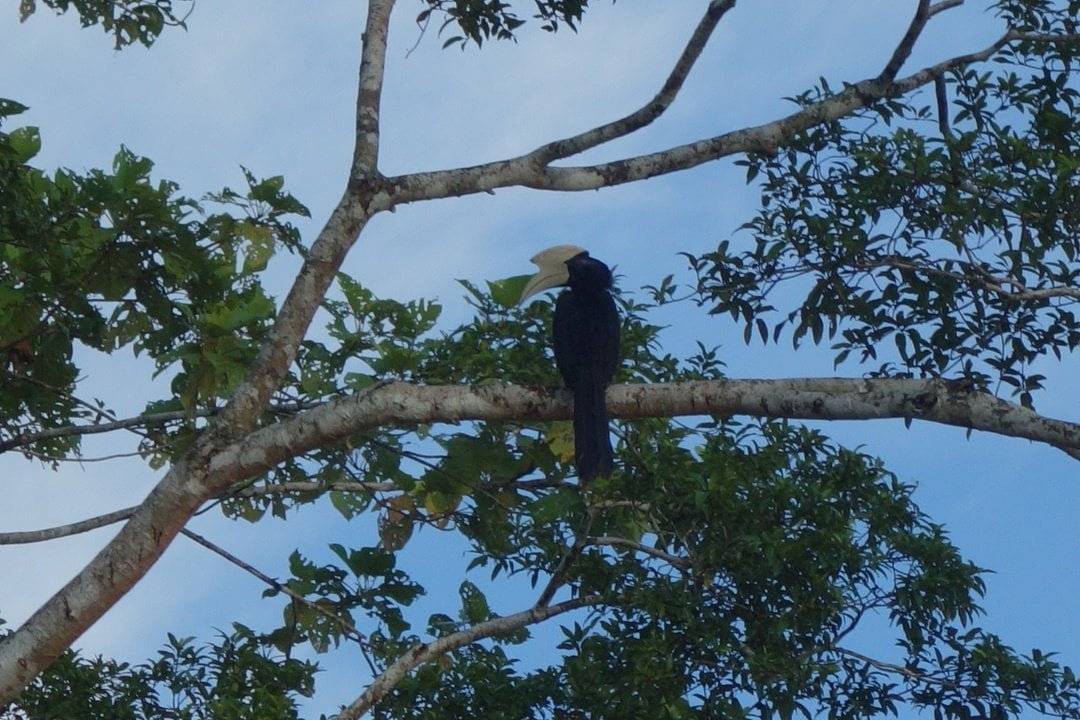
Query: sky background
(271, 85)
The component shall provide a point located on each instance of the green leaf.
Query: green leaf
(26, 142)
(10, 107)
(260, 246)
(371, 562)
(474, 606)
(507, 292)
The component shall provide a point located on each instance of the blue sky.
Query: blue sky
(271, 85)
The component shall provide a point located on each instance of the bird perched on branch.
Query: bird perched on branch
(586, 333)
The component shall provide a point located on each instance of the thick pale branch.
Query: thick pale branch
(771, 136)
(436, 648)
(358, 203)
(817, 399)
(68, 613)
(527, 169)
(801, 398)
(369, 97)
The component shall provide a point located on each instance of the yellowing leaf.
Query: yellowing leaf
(560, 438)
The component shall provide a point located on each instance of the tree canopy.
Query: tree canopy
(728, 565)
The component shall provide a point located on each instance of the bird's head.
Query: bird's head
(553, 270)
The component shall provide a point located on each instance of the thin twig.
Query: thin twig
(82, 526)
(558, 577)
(350, 630)
(147, 419)
(79, 458)
(892, 667)
(75, 528)
(679, 562)
(275, 584)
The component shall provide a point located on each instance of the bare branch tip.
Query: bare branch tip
(943, 6)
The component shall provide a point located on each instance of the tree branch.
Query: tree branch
(907, 43)
(650, 111)
(75, 528)
(936, 401)
(943, 6)
(33, 536)
(801, 398)
(518, 171)
(675, 560)
(350, 630)
(528, 171)
(148, 419)
(369, 97)
(910, 674)
(187, 485)
(421, 654)
(28, 438)
(558, 576)
(981, 278)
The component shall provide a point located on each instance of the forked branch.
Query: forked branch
(532, 170)
(654, 108)
(188, 484)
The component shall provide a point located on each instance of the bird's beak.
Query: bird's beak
(543, 280)
(552, 269)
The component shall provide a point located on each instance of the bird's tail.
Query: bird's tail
(592, 438)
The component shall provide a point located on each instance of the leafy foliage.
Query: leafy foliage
(128, 21)
(737, 562)
(109, 260)
(237, 677)
(957, 248)
(480, 20)
(773, 547)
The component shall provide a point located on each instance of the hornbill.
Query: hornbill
(586, 332)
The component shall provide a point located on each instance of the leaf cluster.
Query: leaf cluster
(128, 21)
(107, 260)
(925, 241)
(480, 20)
(238, 676)
(773, 546)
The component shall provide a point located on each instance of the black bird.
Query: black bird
(586, 345)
